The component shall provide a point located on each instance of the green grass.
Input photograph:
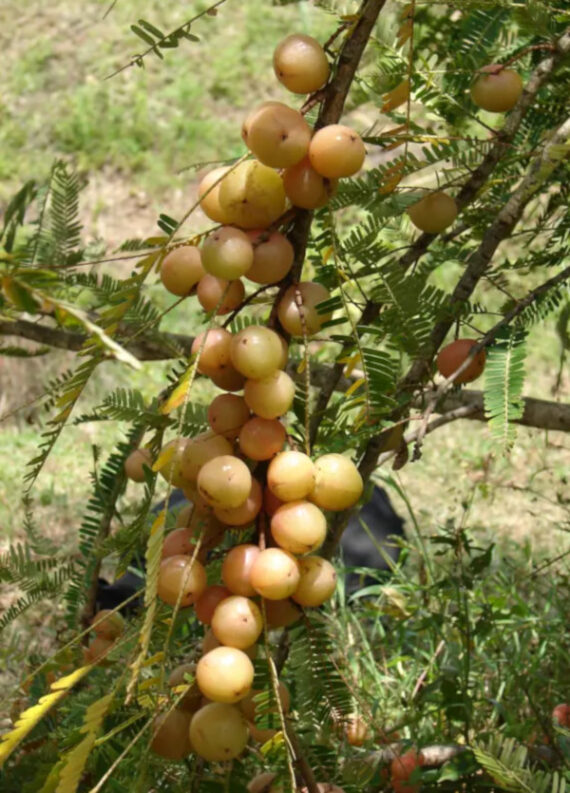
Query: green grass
(146, 124)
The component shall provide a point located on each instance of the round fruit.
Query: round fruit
(170, 735)
(208, 601)
(281, 613)
(356, 730)
(433, 213)
(108, 624)
(179, 542)
(561, 715)
(200, 450)
(261, 439)
(226, 295)
(215, 354)
(297, 309)
(237, 622)
(247, 512)
(229, 379)
(218, 732)
(135, 462)
(272, 258)
(253, 197)
(224, 675)
(97, 650)
(336, 151)
(305, 187)
(181, 270)
(227, 415)
(299, 527)
(249, 706)
(453, 355)
(495, 89)
(210, 642)
(401, 768)
(190, 702)
(211, 203)
(270, 502)
(291, 476)
(317, 582)
(172, 455)
(338, 484)
(256, 352)
(300, 63)
(277, 135)
(236, 569)
(270, 397)
(275, 574)
(179, 576)
(224, 482)
(227, 253)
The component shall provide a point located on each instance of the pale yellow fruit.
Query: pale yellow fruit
(336, 151)
(253, 196)
(297, 309)
(218, 732)
(227, 253)
(433, 213)
(210, 203)
(496, 91)
(225, 674)
(299, 527)
(277, 135)
(271, 396)
(291, 475)
(275, 574)
(338, 484)
(317, 582)
(224, 482)
(181, 270)
(200, 450)
(300, 63)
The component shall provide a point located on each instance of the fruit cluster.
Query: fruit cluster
(238, 474)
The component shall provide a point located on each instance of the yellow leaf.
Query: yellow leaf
(178, 395)
(301, 367)
(355, 386)
(277, 740)
(32, 716)
(327, 254)
(157, 658)
(150, 682)
(164, 458)
(396, 97)
(72, 771)
(391, 179)
(351, 361)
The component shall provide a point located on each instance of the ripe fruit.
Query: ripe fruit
(171, 454)
(433, 213)
(256, 352)
(200, 450)
(236, 569)
(180, 576)
(249, 706)
(270, 397)
(338, 484)
(208, 601)
(135, 462)
(356, 730)
(215, 354)
(227, 415)
(281, 613)
(276, 134)
(224, 482)
(97, 650)
(170, 735)
(261, 439)
(291, 476)
(228, 378)
(336, 151)
(247, 512)
(317, 581)
(453, 355)
(225, 674)
(218, 732)
(496, 90)
(237, 622)
(275, 574)
(212, 290)
(299, 527)
(561, 715)
(210, 642)
(402, 768)
(191, 700)
(108, 624)
(272, 258)
(181, 270)
(252, 196)
(305, 187)
(211, 203)
(300, 319)
(227, 253)
(300, 63)
(179, 542)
